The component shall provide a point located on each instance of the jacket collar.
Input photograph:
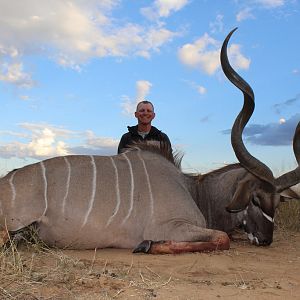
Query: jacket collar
(134, 130)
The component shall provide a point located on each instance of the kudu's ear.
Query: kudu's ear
(288, 194)
(242, 195)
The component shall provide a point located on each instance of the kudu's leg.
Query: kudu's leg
(195, 239)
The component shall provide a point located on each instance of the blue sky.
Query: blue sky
(72, 71)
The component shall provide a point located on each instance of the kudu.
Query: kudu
(141, 200)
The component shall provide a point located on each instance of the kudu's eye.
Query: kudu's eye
(256, 201)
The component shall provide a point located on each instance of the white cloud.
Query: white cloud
(13, 73)
(248, 11)
(100, 142)
(217, 25)
(44, 144)
(128, 105)
(282, 121)
(201, 90)
(8, 51)
(204, 54)
(270, 3)
(198, 56)
(11, 69)
(245, 14)
(155, 38)
(40, 141)
(163, 8)
(143, 42)
(142, 90)
(237, 60)
(24, 97)
(71, 32)
(166, 6)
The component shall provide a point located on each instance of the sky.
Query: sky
(71, 73)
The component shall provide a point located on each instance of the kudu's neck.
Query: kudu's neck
(211, 193)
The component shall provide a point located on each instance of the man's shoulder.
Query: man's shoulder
(132, 129)
(165, 137)
(125, 135)
(156, 132)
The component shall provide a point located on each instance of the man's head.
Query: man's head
(144, 112)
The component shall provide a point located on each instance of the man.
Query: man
(144, 130)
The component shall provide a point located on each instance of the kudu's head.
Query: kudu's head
(258, 194)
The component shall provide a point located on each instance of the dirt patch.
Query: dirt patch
(243, 272)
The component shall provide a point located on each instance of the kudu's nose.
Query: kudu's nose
(264, 240)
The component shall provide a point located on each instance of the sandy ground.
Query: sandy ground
(243, 272)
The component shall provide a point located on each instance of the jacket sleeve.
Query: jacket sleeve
(166, 139)
(123, 143)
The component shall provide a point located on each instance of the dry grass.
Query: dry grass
(34, 271)
(288, 216)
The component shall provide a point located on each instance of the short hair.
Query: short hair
(144, 102)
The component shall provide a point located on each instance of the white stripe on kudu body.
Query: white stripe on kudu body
(13, 189)
(67, 185)
(45, 186)
(131, 188)
(117, 192)
(148, 183)
(92, 199)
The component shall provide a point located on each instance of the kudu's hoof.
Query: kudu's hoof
(143, 247)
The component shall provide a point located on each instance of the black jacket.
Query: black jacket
(133, 136)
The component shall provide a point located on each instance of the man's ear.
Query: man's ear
(153, 115)
(136, 114)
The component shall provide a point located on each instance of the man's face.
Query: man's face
(145, 113)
